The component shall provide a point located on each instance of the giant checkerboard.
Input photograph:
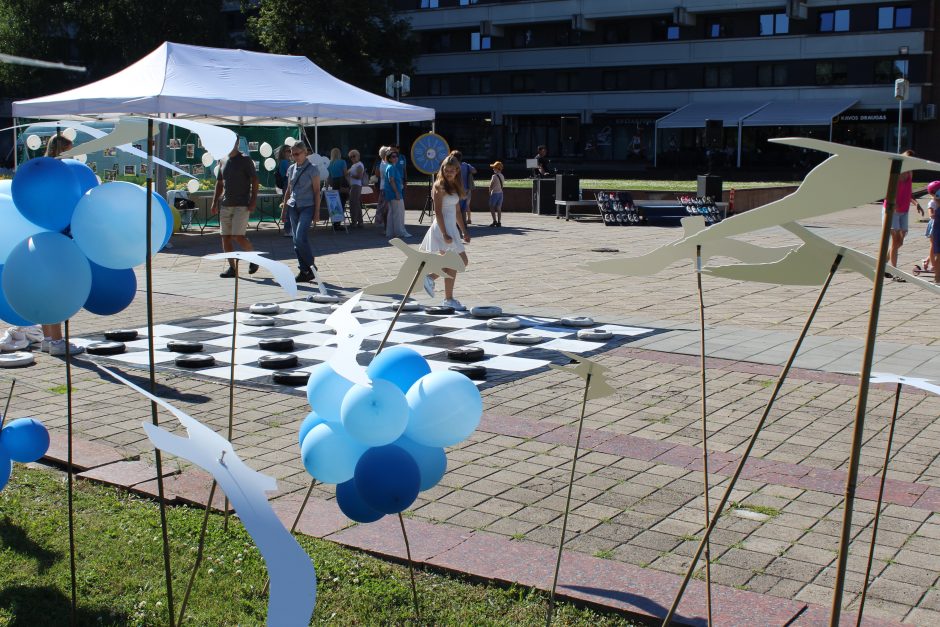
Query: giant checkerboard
(314, 342)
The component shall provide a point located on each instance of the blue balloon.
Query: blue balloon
(111, 290)
(388, 479)
(350, 503)
(109, 225)
(15, 228)
(399, 365)
(45, 191)
(446, 407)
(308, 423)
(325, 391)
(431, 460)
(329, 454)
(6, 467)
(167, 215)
(375, 415)
(26, 440)
(86, 176)
(6, 312)
(46, 278)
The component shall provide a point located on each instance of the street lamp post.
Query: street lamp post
(901, 91)
(397, 88)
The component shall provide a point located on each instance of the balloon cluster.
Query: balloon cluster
(68, 242)
(383, 444)
(24, 440)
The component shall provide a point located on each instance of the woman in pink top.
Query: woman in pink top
(902, 204)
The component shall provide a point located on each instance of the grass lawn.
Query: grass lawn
(120, 570)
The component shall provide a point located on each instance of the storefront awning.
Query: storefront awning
(798, 113)
(694, 115)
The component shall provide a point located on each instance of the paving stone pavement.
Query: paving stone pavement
(638, 495)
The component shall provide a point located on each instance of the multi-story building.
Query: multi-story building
(621, 81)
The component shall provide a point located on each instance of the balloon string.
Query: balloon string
(411, 568)
(401, 307)
(6, 408)
(199, 552)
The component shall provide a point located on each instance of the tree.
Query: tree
(358, 41)
(102, 35)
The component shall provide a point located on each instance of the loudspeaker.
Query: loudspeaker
(543, 196)
(567, 186)
(709, 185)
(571, 129)
(713, 132)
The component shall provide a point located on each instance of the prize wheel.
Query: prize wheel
(428, 151)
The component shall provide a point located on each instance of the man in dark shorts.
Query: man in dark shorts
(237, 189)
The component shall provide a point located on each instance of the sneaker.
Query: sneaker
(13, 340)
(499, 224)
(429, 285)
(287, 234)
(453, 302)
(58, 348)
(44, 345)
(304, 276)
(228, 274)
(252, 268)
(495, 223)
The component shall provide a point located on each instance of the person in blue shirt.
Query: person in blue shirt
(395, 195)
(302, 201)
(338, 181)
(466, 176)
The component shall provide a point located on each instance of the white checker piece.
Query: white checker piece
(242, 373)
(476, 335)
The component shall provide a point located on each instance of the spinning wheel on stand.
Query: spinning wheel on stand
(427, 153)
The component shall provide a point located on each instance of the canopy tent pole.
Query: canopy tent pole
(316, 137)
(655, 142)
(740, 128)
(15, 151)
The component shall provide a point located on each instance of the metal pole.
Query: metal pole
(71, 480)
(231, 381)
(881, 492)
(750, 445)
(401, 307)
(863, 385)
(564, 521)
(15, 151)
(6, 408)
(199, 553)
(703, 382)
(153, 376)
(900, 117)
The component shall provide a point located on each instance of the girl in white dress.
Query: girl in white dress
(448, 228)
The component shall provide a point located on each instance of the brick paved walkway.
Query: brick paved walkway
(638, 500)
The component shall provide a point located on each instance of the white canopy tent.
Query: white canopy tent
(223, 86)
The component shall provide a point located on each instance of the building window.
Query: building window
(428, 4)
(771, 75)
(718, 76)
(615, 34)
(480, 42)
(834, 21)
(894, 17)
(567, 81)
(774, 24)
(480, 85)
(439, 42)
(438, 86)
(889, 70)
(664, 79)
(717, 29)
(664, 31)
(672, 32)
(831, 73)
(466, 3)
(522, 83)
(522, 38)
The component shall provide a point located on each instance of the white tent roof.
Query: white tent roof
(694, 115)
(223, 86)
(799, 113)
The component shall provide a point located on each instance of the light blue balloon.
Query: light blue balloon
(431, 460)
(167, 215)
(109, 225)
(86, 176)
(400, 365)
(308, 423)
(6, 186)
(25, 439)
(446, 407)
(329, 454)
(46, 278)
(6, 312)
(375, 416)
(325, 391)
(6, 468)
(15, 228)
(45, 191)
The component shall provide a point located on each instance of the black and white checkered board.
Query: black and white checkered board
(314, 342)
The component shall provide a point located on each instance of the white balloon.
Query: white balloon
(265, 149)
(69, 134)
(289, 141)
(215, 171)
(81, 158)
(322, 163)
(270, 164)
(33, 142)
(207, 159)
(193, 186)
